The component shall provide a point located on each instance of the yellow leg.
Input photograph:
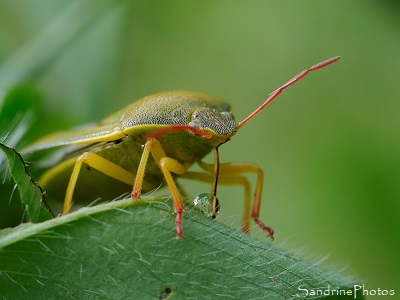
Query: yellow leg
(238, 168)
(137, 186)
(151, 146)
(99, 163)
(167, 165)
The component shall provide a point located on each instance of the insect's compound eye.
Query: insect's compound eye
(195, 115)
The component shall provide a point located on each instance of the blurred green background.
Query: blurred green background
(329, 145)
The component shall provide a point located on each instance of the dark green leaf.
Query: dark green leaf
(31, 194)
(129, 250)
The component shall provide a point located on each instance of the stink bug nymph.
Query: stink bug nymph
(151, 142)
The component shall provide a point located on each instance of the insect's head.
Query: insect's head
(220, 123)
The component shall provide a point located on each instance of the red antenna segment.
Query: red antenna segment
(296, 78)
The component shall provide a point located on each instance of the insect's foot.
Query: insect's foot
(246, 228)
(265, 228)
(178, 222)
(270, 233)
(180, 236)
(136, 195)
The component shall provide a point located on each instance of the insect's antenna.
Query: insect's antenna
(215, 183)
(296, 78)
(216, 172)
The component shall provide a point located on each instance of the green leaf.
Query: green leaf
(129, 250)
(31, 194)
(37, 55)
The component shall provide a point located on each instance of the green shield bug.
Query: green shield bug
(154, 139)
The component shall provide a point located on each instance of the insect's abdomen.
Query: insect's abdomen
(92, 184)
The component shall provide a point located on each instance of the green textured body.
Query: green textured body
(120, 137)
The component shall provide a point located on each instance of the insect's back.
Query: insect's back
(119, 138)
(167, 108)
(177, 108)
